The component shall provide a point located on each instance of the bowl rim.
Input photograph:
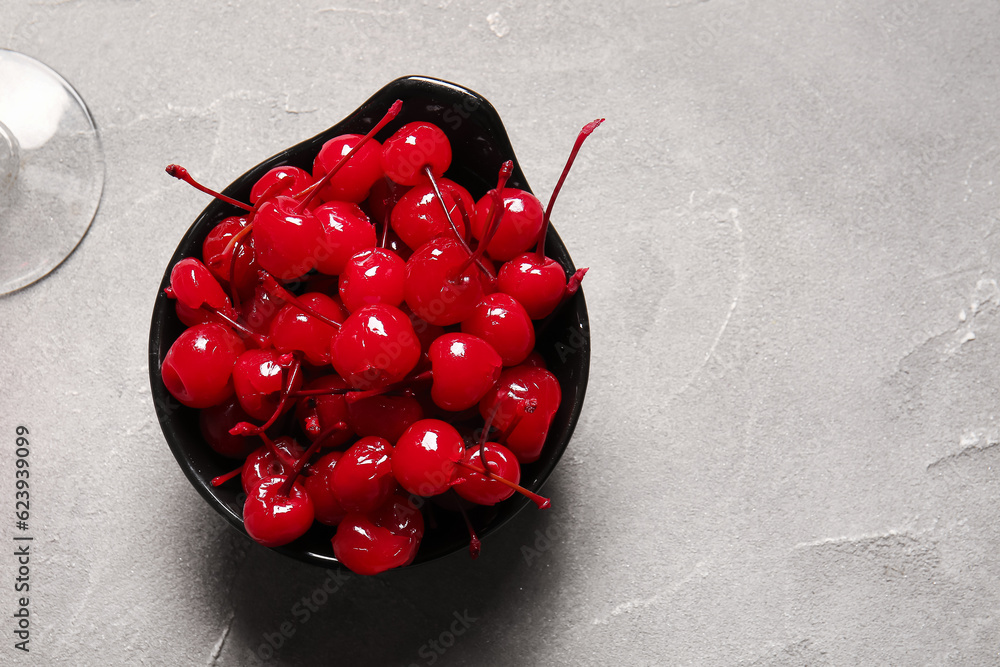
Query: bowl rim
(164, 317)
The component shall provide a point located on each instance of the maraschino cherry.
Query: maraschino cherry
(538, 282)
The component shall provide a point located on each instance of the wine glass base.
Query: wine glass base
(51, 175)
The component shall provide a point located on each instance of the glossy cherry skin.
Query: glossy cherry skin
(285, 238)
(273, 519)
(198, 368)
(435, 290)
(374, 275)
(363, 477)
(519, 226)
(192, 316)
(192, 284)
(218, 256)
(419, 217)
(538, 286)
(411, 148)
(375, 347)
(503, 323)
(385, 416)
(531, 396)
(317, 484)
(291, 329)
(354, 180)
(465, 368)
(425, 455)
(258, 379)
(214, 423)
(346, 231)
(381, 540)
(293, 181)
(257, 312)
(383, 198)
(480, 489)
(262, 463)
(317, 414)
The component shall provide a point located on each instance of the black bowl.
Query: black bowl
(479, 146)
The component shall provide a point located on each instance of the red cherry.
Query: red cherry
(484, 490)
(214, 423)
(346, 231)
(375, 275)
(363, 478)
(425, 456)
(535, 360)
(465, 368)
(524, 401)
(318, 413)
(384, 416)
(325, 504)
(273, 460)
(386, 538)
(412, 148)
(503, 323)
(539, 286)
(519, 227)
(286, 238)
(291, 329)
(354, 180)
(292, 179)
(419, 216)
(438, 289)
(258, 378)
(535, 280)
(218, 255)
(192, 284)
(375, 347)
(260, 309)
(197, 369)
(383, 198)
(273, 518)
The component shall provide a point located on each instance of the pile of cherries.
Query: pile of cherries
(359, 368)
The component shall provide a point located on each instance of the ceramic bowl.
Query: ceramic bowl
(479, 146)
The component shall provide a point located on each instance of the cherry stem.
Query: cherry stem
(233, 247)
(486, 432)
(180, 172)
(359, 395)
(242, 329)
(574, 282)
(475, 546)
(324, 392)
(222, 479)
(339, 426)
(502, 438)
(297, 467)
(454, 227)
(584, 133)
(314, 189)
(271, 191)
(272, 287)
(444, 207)
(278, 453)
(496, 214)
(246, 428)
(541, 501)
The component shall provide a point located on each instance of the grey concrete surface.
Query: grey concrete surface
(789, 452)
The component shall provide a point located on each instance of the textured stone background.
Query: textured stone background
(789, 452)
